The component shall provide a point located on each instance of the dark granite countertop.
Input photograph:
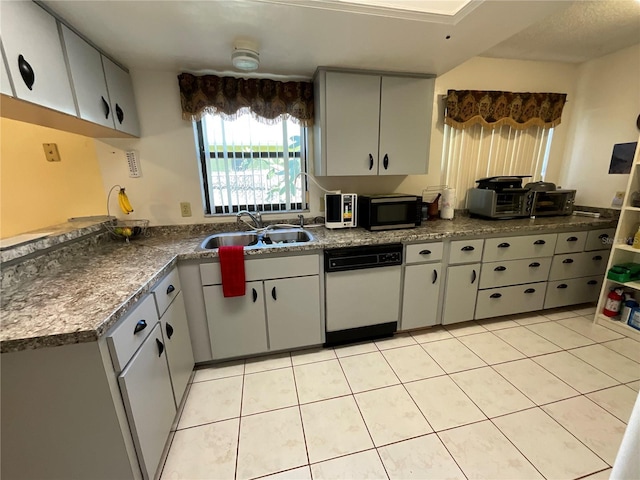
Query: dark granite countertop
(90, 292)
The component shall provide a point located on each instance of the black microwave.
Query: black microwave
(389, 211)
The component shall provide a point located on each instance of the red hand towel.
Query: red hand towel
(232, 269)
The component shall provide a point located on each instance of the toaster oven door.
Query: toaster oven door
(554, 202)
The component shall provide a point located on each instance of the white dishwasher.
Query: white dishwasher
(362, 292)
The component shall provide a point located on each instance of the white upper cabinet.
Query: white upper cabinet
(372, 124)
(5, 85)
(406, 106)
(123, 105)
(34, 56)
(87, 77)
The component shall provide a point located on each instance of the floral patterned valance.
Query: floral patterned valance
(493, 109)
(265, 99)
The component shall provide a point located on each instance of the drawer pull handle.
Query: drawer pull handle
(504, 245)
(572, 239)
(474, 275)
(435, 276)
(468, 248)
(169, 329)
(370, 162)
(141, 325)
(170, 289)
(119, 114)
(500, 269)
(530, 290)
(273, 293)
(26, 72)
(603, 236)
(160, 347)
(539, 242)
(385, 161)
(255, 295)
(534, 265)
(495, 295)
(562, 285)
(105, 105)
(567, 260)
(592, 282)
(425, 252)
(597, 257)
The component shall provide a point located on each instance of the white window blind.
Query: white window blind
(248, 165)
(478, 152)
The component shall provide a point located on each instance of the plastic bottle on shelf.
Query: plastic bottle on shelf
(636, 239)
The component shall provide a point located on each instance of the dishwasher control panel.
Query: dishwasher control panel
(370, 256)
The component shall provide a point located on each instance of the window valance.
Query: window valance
(231, 97)
(493, 109)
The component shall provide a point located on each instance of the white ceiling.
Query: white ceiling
(295, 37)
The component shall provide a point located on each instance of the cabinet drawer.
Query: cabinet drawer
(424, 252)
(513, 248)
(166, 290)
(571, 292)
(574, 265)
(509, 300)
(466, 251)
(600, 239)
(571, 242)
(514, 272)
(123, 341)
(265, 268)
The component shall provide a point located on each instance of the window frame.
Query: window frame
(206, 180)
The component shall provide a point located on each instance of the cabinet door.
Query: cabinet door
(406, 106)
(420, 297)
(460, 293)
(123, 105)
(87, 76)
(352, 122)
(148, 400)
(179, 353)
(237, 325)
(32, 45)
(293, 312)
(5, 85)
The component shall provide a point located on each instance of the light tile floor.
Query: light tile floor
(545, 395)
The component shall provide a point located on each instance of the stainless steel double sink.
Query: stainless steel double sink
(276, 237)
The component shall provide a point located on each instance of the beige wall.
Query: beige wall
(605, 112)
(168, 157)
(34, 193)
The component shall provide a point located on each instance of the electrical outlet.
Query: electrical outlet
(185, 209)
(51, 152)
(618, 199)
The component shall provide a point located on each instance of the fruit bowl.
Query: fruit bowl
(128, 229)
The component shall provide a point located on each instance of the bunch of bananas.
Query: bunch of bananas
(123, 201)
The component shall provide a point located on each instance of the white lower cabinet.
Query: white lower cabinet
(280, 310)
(237, 325)
(148, 399)
(293, 312)
(496, 302)
(572, 291)
(179, 353)
(420, 296)
(460, 294)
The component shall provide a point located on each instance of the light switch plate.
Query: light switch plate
(51, 152)
(185, 209)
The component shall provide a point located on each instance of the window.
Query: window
(247, 165)
(477, 152)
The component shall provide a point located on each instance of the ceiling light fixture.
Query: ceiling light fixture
(245, 55)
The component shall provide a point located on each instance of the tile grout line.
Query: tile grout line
(235, 471)
(304, 436)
